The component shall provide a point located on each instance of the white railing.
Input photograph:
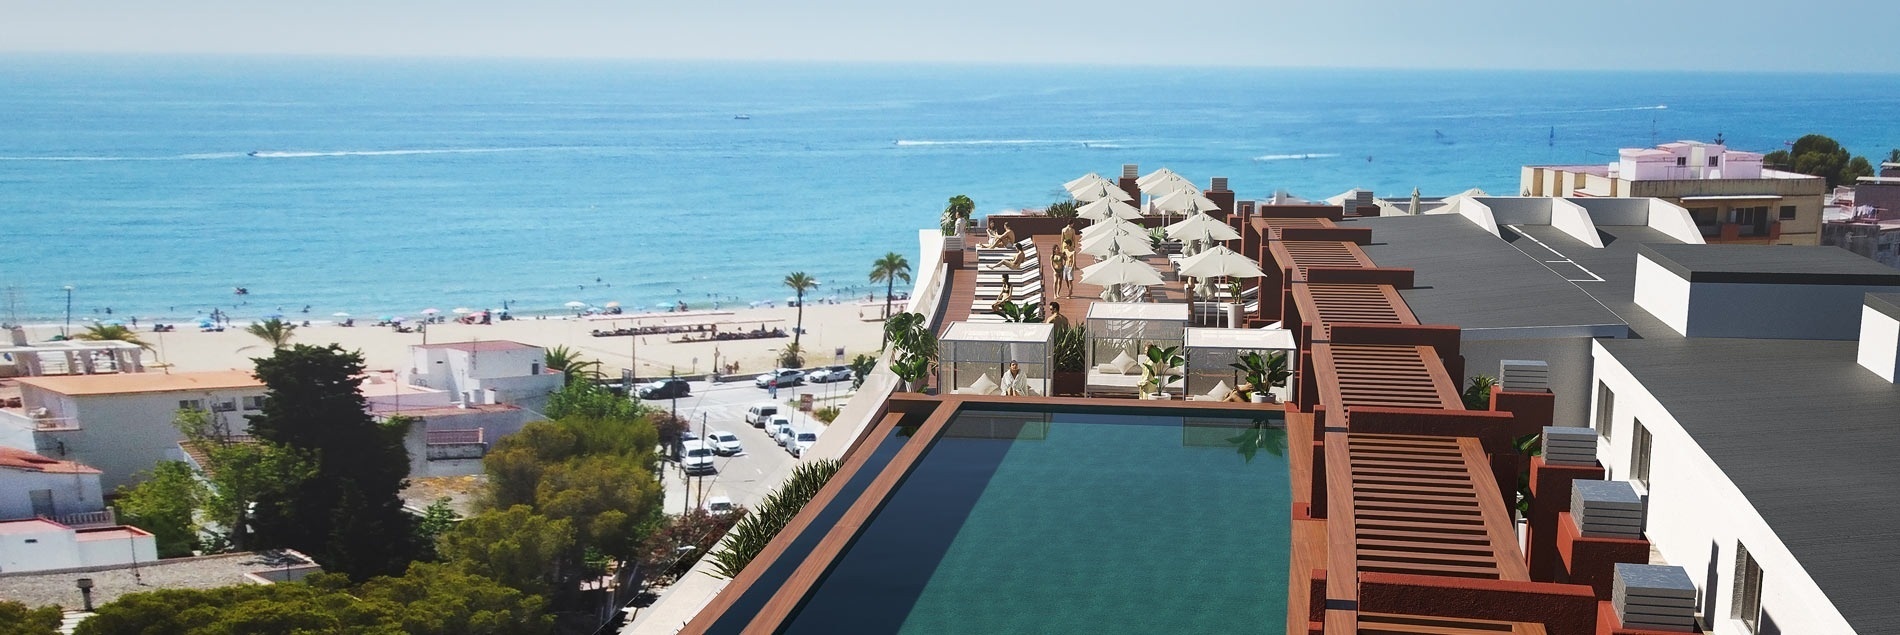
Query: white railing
(87, 520)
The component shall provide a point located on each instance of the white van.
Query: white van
(760, 413)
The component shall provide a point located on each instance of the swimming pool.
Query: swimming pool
(1072, 521)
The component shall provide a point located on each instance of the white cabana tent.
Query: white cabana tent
(974, 358)
(1119, 335)
(1211, 354)
(1110, 207)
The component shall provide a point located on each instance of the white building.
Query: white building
(43, 545)
(122, 423)
(34, 486)
(485, 371)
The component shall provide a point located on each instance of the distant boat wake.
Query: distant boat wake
(283, 154)
(1003, 142)
(1483, 115)
(1290, 157)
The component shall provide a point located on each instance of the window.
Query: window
(1606, 407)
(1747, 606)
(1787, 212)
(191, 404)
(534, 368)
(1682, 162)
(227, 405)
(1715, 161)
(254, 403)
(1639, 454)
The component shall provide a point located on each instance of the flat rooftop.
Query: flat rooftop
(481, 346)
(1763, 264)
(47, 588)
(1808, 436)
(126, 383)
(1607, 274)
(1463, 275)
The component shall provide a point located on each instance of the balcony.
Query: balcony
(449, 445)
(87, 520)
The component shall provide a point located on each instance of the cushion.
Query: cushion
(983, 386)
(1108, 368)
(1126, 364)
(1220, 391)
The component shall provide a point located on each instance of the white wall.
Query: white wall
(1473, 210)
(1879, 343)
(72, 493)
(1662, 293)
(1570, 218)
(1671, 219)
(1693, 505)
(125, 435)
(1776, 311)
(121, 548)
(51, 546)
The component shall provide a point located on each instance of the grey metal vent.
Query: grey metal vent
(1131, 171)
(1220, 184)
(1524, 375)
(1606, 509)
(1565, 445)
(1654, 597)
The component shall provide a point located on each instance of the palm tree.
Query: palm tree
(888, 270)
(800, 283)
(274, 331)
(571, 365)
(112, 332)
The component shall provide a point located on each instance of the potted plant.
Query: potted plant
(1158, 366)
(1071, 356)
(915, 346)
(1263, 373)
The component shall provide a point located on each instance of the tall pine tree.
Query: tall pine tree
(346, 513)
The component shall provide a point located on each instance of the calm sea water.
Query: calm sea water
(388, 186)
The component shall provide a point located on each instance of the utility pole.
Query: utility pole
(66, 331)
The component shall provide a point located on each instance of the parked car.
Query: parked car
(781, 430)
(665, 389)
(760, 413)
(830, 374)
(719, 505)
(786, 377)
(699, 458)
(725, 443)
(801, 442)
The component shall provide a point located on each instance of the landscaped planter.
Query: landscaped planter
(1068, 384)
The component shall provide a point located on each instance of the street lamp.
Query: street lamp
(66, 331)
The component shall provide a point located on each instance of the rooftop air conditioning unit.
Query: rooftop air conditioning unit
(1524, 375)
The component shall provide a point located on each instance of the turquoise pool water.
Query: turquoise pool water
(1027, 522)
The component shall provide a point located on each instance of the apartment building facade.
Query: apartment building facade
(1731, 196)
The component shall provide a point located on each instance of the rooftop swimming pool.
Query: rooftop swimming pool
(1062, 521)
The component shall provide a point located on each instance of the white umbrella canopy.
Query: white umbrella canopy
(1102, 208)
(431, 311)
(1118, 242)
(461, 310)
(1121, 269)
(575, 304)
(1112, 223)
(1220, 261)
(1169, 185)
(1086, 180)
(1098, 191)
(1154, 176)
(1185, 202)
(1200, 226)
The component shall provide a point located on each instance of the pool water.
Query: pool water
(1037, 522)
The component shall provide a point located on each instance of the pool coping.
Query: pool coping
(784, 602)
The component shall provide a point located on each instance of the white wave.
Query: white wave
(1000, 142)
(291, 154)
(1290, 157)
(1481, 115)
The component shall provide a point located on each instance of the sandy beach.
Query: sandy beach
(827, 328)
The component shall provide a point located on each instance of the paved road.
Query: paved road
(751, 474)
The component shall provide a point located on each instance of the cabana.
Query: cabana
(1211, 353)
(974, 358)
(1119, 336)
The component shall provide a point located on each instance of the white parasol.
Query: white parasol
(1121, 269)
(1118, 241)
(1108, 208)
(1098, 191)
(1220, 261)
(1200, 226)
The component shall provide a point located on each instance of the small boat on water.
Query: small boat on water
(252, 153)
(742, 116)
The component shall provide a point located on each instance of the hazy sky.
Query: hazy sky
(1845, 35)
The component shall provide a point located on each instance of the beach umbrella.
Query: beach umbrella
(1200, 226)
(461, 310)
(575, 304)
(339, 314)
(1103, 208)
(1413, 210)
(1092, 193)
(1154, 176)
(1113, 223)
(398, 319)
(613, 305)
(431, 311)
(1086, 180)
(1185, 202)
(1168, 185)
(1220, 261)
(1118, 242)
(1121, 269)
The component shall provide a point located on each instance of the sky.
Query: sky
(1737, 35)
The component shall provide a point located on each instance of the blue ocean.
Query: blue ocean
(155, 186)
